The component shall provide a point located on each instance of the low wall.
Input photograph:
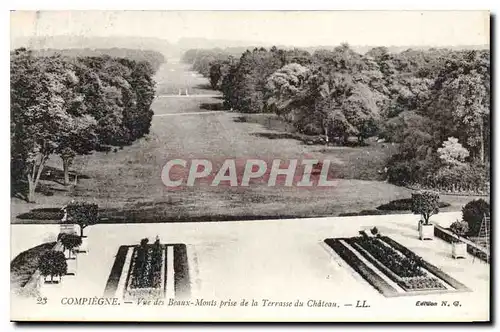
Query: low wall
(472, 248)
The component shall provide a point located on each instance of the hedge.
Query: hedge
(403, 205)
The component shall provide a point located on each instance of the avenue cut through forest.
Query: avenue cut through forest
(126, 182)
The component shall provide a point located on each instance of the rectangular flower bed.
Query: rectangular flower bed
(385, 258)
(146, 277)
(371, 276)
(428, 266)
(149, 278)
(406, 271)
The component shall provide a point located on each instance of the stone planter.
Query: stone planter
(426, 232)
(458, 250)
(70, 254)
(72, 266)
(45, 281)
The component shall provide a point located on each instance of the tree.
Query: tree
(453, 153)
(283, 87)
(425, 203)
(38, 112)
(228, 86)
(250, 78)
(79, 140)
(73, 106)
(460, 102)
(53, 263)
(80, 137)
(70, 242)
(215, 74)
(82, 213)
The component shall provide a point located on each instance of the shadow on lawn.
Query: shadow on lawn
(51, 181)
(119, 216)
(57, 175)
(212, 106)
(204, 86)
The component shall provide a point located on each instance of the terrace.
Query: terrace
(277, 260)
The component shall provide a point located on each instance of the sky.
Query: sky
(312, 28)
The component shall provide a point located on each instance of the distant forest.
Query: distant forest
(433, 103)
(154, 58)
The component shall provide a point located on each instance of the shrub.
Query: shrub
(403, 204)
(42, 214)
(402, 170)
(400, 173)
(460, 228)
(452, 152)
(53, 263)
(70, 241)
(370, 213)
(470, 178)
(425, 203)
(82, 213)
(363, 213)
(473, 213)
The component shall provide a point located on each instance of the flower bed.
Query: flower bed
(428, 266)
(146, 272)
(360, 267)
(383, 256)
(401, 265)
(406, 271)
(421, 283)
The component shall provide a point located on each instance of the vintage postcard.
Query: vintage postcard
(250, 166)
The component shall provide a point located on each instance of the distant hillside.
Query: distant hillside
(82, 42)
(185, 44)
(175, 50)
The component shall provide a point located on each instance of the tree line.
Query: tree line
(69, 106)
(434, 103)
(154, 58)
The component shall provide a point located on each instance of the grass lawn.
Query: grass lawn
(128, 188)
(25, 264)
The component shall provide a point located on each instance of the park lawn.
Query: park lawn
(128, 188)
(127, 185)
(177, 105)
(174, 76)
(25, 264)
